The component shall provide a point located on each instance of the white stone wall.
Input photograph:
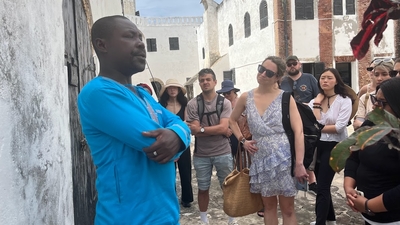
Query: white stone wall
(245, 53)
(35, 150)
(386, 46)
(305, 36)
(165, 63)
(102, 8)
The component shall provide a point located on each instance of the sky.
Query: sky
(170, 8)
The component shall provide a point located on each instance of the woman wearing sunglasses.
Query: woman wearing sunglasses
(270, 171)
(380, 72)
(375, 171)
(332, 108)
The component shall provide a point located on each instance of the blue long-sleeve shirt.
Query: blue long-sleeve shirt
(132, 189)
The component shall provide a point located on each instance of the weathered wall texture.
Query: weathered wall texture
(35, 160)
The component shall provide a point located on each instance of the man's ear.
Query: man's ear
(100, 45)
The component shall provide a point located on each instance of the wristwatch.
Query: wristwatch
(243, 140)
(367, 210)
(202, 130)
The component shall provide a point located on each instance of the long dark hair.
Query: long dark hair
(340, 87)
(180, 97)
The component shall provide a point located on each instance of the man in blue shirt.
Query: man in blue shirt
(133, 140)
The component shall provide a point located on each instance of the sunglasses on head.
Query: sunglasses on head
(268, 73)
(289, 64)
(370, 68)
(394, 73)
(378, 102)
(380, 60)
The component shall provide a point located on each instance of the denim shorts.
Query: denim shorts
(204, 166)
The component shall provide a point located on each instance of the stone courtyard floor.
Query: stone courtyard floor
(304, 204)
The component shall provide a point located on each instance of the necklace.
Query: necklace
(329, 106)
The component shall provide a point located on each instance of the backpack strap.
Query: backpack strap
(220, 105)
(200, 106)
(287, 126)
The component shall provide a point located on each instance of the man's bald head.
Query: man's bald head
(103, 28)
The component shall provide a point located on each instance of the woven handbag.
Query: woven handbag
(238, 200)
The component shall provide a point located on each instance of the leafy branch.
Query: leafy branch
(386, 129)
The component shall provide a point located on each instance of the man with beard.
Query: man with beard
(133, 139)
(305, 88)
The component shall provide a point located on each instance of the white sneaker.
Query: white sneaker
(233, 222)
(313, 223)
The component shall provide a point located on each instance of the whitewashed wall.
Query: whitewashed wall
(165, 63)
(35, 160)
(386, 46)
(101, 8)
(305, 36)
(245, 53)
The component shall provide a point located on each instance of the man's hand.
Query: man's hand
(194, 128)
(228, 133)
(166, 146)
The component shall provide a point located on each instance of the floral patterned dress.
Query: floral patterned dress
(270, 171)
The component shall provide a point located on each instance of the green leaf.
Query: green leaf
(372, 135)
(377, 116)
(342, 151)
(392, 120)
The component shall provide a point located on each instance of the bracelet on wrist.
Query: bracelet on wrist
(317, 107)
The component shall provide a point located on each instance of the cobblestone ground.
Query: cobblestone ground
(304, 205)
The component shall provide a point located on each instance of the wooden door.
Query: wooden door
(81, 69)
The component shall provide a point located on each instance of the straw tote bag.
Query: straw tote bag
(238, 200)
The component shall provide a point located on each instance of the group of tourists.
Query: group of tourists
(137, 143)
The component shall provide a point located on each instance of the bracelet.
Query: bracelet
(317, 107)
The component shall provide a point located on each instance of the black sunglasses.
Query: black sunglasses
(269, 73)
(393, 73)
(289, 64)
(227, 93)
(370, 68)
(380, 103)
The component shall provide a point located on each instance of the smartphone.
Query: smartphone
(302, 186)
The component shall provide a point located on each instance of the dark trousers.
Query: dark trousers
(324, 173)
(185, 173)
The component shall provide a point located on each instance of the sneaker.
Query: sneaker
(312, 188)
(186, 204)
(233, 222)
(313, 223)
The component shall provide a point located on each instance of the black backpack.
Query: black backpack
(311, 129)
(200, 108)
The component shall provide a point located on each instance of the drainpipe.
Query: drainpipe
(285, 24)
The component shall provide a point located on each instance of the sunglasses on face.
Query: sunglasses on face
(394, 73)
(227, 93)
(268, 73)
(377, 102)
(289, 64)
